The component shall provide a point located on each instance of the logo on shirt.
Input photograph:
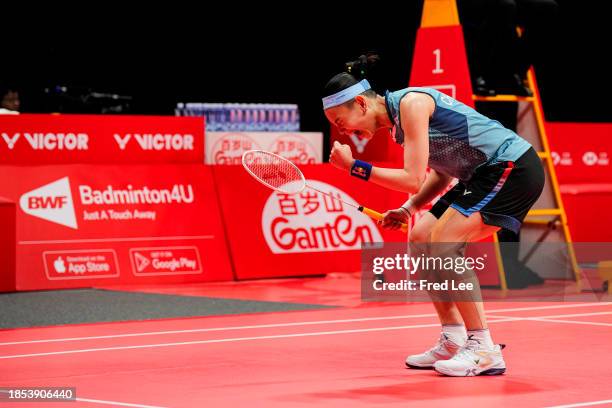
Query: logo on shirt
(447, 99)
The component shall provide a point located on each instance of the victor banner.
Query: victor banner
(100, 139)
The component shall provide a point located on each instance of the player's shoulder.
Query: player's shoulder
(416, 99)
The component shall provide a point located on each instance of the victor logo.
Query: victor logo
(359, 142)
(156, 141)
(51, 202)
(49, 141)
(10, 140)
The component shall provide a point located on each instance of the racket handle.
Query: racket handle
(378, 216)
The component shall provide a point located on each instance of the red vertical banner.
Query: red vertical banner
(7, 245)
(440, 60)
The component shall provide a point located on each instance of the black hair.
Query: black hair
(355, 71)
(6, 88)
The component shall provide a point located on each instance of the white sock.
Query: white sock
(483, 336)
(457, 332)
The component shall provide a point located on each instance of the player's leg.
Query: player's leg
(479, 355)
(420, 234)
(453, 335)
(453, 228)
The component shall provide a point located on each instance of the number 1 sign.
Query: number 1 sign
(439, 57)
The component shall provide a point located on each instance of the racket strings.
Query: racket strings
(274, 171)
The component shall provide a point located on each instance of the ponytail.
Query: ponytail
(355, 71)
(361, 67)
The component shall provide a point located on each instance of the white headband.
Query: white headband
(346, 95)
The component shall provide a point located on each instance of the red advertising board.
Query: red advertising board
(581, 151)
(271, 234)
(88, 225)
(101, 139)
(7, 245)
(226, 148)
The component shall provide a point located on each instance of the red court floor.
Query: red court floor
(558, 354)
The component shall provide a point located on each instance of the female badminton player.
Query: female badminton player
(500, 177)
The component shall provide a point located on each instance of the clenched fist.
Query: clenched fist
(341, 156)
(393, 219)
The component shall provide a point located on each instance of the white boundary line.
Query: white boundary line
(557, 316)
(121, 404)
(277, 336)
(263, 326)
(571, 321)
(214, 329)
(583, 404)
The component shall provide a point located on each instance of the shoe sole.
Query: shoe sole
(493, 371)
(490, 371)
(419, 367)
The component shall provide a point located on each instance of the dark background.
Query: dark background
(282, 53)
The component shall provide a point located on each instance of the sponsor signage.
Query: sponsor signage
(308, 233)
(300, 147)
(165, 261)
(101, 225)
(314, 222)
(32, 139)
(581, 151)
(81, 264)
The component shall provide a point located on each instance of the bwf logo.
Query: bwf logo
(51, 202)
(35, 202)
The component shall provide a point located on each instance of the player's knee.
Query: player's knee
(443, 232)
(437, 234)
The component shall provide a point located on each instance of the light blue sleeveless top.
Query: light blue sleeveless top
(460, 139)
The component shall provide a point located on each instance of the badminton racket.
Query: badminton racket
(281, 175)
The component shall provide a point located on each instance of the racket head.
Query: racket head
(274, 171)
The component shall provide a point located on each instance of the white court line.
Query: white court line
(121, 404)
(583, 404)
(125, 239)
(575, 315)
(214, 329)
(557, 316)
(263, 326)
(571, 321)
(186, 343)
(278, 336)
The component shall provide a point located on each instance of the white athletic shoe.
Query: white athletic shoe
(446, 348)
(473, 359)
